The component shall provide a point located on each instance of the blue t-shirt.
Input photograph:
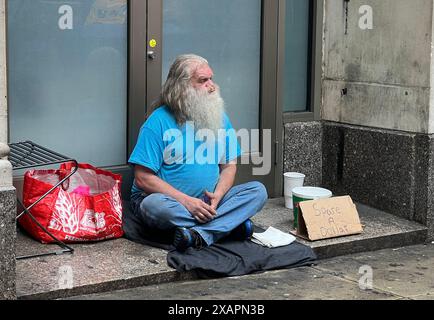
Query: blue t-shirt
(187, 161)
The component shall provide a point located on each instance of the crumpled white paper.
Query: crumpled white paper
(272, 238)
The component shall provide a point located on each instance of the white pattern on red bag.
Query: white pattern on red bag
(100, 221)
(93, 221)
(116, 202)
(66, 213)
(54, 224)
(88, 221)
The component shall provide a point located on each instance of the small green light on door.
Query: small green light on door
(153, 43)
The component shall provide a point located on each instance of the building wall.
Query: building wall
(377, 104)
(7, 191)
(385, 70)
(3, 93)
(303, 150)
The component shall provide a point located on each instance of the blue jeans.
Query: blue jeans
(240, 203)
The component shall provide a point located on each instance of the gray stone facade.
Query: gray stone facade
(7, 226)
(7, 242)
(373, 166)
(424, 186)
(303, 150)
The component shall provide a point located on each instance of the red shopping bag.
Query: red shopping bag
(87, 207)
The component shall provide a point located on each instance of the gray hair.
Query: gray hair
(173, 93)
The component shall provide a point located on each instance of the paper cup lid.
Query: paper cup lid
(294, 175)
(311, 192)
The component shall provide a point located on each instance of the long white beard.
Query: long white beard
(204, 109)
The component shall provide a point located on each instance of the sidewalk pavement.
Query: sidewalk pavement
(400, 273)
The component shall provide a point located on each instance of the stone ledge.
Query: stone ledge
(120, 264)
(381, 230)
(96, 267)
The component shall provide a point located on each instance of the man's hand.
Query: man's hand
(201, 211)
(214, 198)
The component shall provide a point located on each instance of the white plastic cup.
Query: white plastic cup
(291, 180)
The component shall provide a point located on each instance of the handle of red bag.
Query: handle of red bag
(66, 170)
(68, 165)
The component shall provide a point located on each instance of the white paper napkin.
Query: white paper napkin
(273, 238)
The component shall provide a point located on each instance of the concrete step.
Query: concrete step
(120, 264)
(381, 230)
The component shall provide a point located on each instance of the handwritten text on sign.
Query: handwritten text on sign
(329, 218)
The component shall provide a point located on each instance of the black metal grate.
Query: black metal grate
(28, 154)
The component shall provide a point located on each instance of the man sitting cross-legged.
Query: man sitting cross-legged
(174, 188)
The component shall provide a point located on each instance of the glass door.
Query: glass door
(67, 76)
(229, 35)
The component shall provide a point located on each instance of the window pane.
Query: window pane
(228, 34)
(296, 55)
(68, 77)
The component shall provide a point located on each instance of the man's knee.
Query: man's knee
(154, 206)
(151, 202)
(259, 191)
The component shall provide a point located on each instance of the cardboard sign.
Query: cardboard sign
(328, 218)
